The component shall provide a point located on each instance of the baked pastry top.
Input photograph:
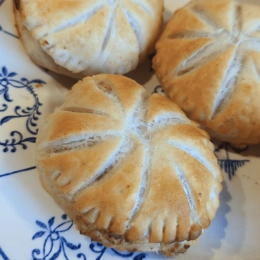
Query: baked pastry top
(208, 62)
(131, 170)
(86, 37)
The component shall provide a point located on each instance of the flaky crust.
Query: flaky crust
(131, 171)
(87, 37)
(208, 62)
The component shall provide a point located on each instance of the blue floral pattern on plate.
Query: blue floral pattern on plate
(54, 235)
(3, 255)
(230, 166)
(101, 249)
(55, 244)
(30, 114)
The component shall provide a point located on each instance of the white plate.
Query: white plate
(32, 226)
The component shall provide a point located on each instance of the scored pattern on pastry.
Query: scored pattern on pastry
(123, 162)
(229, 36)
(103, 21)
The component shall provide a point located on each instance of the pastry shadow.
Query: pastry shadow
(252, 151)
(220, 235)
(246, 150)
(216, 232)
(65, 81)
(143, 73)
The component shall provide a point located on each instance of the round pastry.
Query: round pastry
(86, 37)
(208, 62)
(131, 171)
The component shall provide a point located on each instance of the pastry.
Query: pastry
(86, 37)
(132, 171)
(208, 62)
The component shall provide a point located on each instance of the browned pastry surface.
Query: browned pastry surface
(208, 62)
(131, 171)
(86, 37)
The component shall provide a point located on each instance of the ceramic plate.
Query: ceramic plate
(32, 226)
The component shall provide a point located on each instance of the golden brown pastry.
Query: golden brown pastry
(87, 37)
(208, 62)
(131, 171)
